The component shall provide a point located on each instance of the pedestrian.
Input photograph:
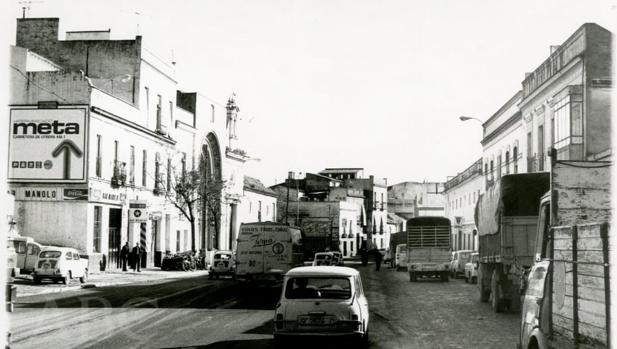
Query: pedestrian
(378, 258)
(124, 255)
(136, 252)
(364, 256)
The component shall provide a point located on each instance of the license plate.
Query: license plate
(318, 320)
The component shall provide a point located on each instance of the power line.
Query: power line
(37, 85)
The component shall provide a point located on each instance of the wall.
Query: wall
(461, 202)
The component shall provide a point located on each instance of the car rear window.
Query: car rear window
(323, 256)
(318, 287)
(20, 246)
(50, 254)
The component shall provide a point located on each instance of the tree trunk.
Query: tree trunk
(193, 235)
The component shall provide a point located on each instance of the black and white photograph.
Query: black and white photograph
(308, 174)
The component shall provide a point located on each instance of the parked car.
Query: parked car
(338, 258)
(322, 301)
(27, 251)
(400, 257)
(457, 265)
(222, 264)
(60, 264)
(471, 268)
(323, 258)
(11, 262)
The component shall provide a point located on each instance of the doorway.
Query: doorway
(113, 241)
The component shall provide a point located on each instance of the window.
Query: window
(274, 212)
(156, 171)
(499, 166)
(568, 123)
(20, 246)
(144, 171)
(171, 112)
(515, 160)
(147, 102)
(99, 156)
(492, 168)
(541, 148)
(96, 241)
(530, 167)
(351, 246)
(168, 174)
(177, 240)
(259, 211)
(132, 166)
(486, 168)
(158, 112)
(507, 162)
(212, 106)
(116, 145)
(186, 240)
(183, 164)
(69, 255)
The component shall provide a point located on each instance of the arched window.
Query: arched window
(515, 160)
(492, 167)
(507, 162)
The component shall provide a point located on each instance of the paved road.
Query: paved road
(197, 312)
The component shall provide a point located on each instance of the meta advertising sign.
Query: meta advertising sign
(47, 145)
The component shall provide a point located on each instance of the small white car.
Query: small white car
(323, 258)
(457, 265)
(400, 257)
(471, 268)
(60, 264)
(338, 258)
(222, 264)
(326, 301)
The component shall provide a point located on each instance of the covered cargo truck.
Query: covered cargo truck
(506, 217)
(567, 296)
(266, 251)
(428, 247)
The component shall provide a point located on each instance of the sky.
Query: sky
(345, 83)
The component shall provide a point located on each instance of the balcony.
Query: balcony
(119, 176)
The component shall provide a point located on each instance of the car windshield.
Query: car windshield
(50, 254)
(222, 256)
(318, 287)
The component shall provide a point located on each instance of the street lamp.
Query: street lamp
(465, 118)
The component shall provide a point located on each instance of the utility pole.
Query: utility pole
(289, 176)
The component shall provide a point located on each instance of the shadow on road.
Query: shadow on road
(196, 293)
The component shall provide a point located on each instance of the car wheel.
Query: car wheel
(279, 342)
(36, 280)
(84, 278)
(365, 339)
(444, 276)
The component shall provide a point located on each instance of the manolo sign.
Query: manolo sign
(47, 145)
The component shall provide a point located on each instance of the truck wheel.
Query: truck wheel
(37, 280)
(412, 277)
(484, 293)
(495, 297)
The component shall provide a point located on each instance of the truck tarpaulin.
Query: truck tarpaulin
(512, 195)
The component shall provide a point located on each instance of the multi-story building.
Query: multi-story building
(565, 102)
(99, 134)
(502, 136)
(461, 194)
(414, 199)
(375, 201)
(258, 202)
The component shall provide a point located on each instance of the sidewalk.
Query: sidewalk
(25, 286)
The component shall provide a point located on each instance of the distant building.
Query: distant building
(258, 203)
(565, 101)
(414, 199)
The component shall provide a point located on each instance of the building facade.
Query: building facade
(414, 199)
(565, 101)
(100, 134)
(461, 194)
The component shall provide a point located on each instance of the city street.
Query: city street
(197, 312)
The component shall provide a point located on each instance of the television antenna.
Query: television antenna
(25, 5)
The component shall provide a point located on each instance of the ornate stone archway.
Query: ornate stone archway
(211, 170)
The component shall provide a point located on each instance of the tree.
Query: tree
(185, 194)
(212, 195)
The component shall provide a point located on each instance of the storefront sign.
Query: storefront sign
(38, 194)
(76, 194)
(47, 145)
(138, 212)
(107, 196)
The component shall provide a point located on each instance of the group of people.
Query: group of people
(364, 254)
(132, 257)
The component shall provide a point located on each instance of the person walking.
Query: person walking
(136, 252)
(124, 255)
(378, 258)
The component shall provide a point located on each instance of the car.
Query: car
(222, 264)
(27, 251)
(457, 265)
(400, 257)
(60, 264)
(471, 268)
(323, 258)
(325, 301)
(338, 258)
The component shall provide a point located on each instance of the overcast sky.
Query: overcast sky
(346, 83)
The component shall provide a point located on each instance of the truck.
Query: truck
(566, 294)
(265, 251)
(428, 247)
(506, 217)
(396, 239)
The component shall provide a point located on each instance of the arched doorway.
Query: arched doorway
(211, 169)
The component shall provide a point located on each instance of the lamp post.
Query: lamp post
(465, 118)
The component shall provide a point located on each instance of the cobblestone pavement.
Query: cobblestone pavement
(25, 286)
(432, 314)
